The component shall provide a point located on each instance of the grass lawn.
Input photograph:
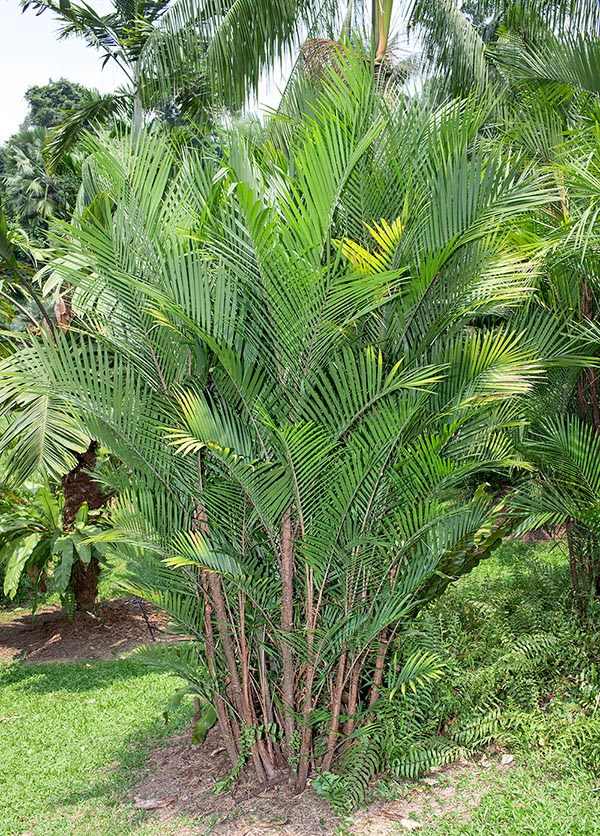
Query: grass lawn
(544, 796)
(70, 735)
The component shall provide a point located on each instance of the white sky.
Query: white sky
(30, 54)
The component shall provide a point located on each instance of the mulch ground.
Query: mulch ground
(48, 636)
(180, 779)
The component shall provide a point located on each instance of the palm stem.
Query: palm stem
(336, 710)
(287, 624)
(382, 17)
(138, 111)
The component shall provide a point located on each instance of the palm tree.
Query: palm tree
(563, 440)
(303, 361)
(31, 193)
(121, 36)
(461, 40)
(203, 55)
(198, 54)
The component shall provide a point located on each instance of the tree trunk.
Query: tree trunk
(287, 626)
(138, 110)
(85, 585)
(79, 487)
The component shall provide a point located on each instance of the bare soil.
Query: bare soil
(48, 636)
(180, 778)
(184, 776)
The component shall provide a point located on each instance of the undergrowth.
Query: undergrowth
(507, 662)
(521, 670)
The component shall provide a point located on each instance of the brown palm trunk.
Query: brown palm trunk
(79, 487)
(287, 626)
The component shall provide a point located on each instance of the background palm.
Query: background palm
(187, 55)
(123, 36)
(34, 195)
(564, 418)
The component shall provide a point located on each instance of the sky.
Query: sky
(30, 54)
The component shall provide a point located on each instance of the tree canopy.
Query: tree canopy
(49, 104)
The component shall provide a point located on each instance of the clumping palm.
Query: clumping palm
(304, 353)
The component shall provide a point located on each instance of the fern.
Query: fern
(420, 756)
(67, 602)
(348, 788)
(248, 735)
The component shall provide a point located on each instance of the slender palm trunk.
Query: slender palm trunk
(138, 110)
(287, 625)
(382, 16)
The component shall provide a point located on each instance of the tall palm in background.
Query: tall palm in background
(197, 54)
(201, 55)
(207, 53)
(564, 436)
(33, 194)
(123, 37)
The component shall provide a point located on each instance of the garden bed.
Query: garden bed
(117, 627)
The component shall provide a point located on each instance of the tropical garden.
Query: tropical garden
(320, 388)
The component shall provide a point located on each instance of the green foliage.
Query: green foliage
(304, 361)
(461, 40)
(33, 541)
(522, 666)
(49, 103)
(40, 437)
(519, 672)
(32, 195)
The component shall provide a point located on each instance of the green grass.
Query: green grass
(543, 797)
(73, 735)
(70, 737)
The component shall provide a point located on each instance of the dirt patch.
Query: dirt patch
(185, 776)
(539, 535)
(456, 789)
(180, 778)
(119, 626)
